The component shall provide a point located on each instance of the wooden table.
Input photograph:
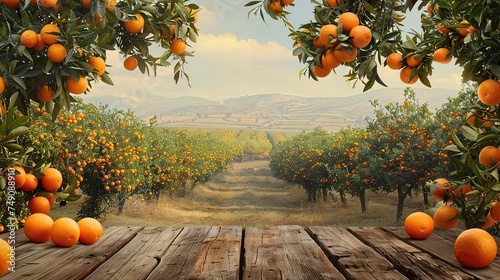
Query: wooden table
(232, 252)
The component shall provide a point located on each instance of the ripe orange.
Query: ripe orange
(19, 178)
(77, 86)
(419, 225)
(51, 197)
(130, 63)
(476, 117)
(475, 248)
(2, 85)
(464, 189)
(442, 28)
(275, 6)
(463, 31)
(4, 257)
(40, 44)
(37, 227)
(56, 52)
(329, 61)
(30, 184)
(345, 54)
(395, 61)
(489, 92)
(412, 62)
(45, 93)
(287, 2)
(98, 63)
(64, 232)
(48, 3)
(13, 4)
(349, 21)
(334, 3)
(52, 179)
(85, 4)
(405, 75)
(50, 33)
(361, 36)
(327, 33)
(442, 190)
(178, 46)
(321, 72)
(90, 230)
(442, 55)
(29, 38)
(39, 204)
(489, 156)
(443, 217)
(135, 25)
(495, 211)
(489, 222)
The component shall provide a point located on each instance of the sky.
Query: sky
(237, 55)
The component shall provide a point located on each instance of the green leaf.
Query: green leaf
(16, 132)
(469, 133)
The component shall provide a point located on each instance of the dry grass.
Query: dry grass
(247, 195)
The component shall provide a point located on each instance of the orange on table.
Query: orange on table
(64, 232)
(39, 204)
(4, 257)
(37, 227)
(475, 248)
(90, 230)
(52, 179)
(419, 225)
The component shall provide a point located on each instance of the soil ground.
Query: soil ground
(248, 195)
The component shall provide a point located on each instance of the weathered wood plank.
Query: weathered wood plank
(407, 259)
(202, 253)
(139, 257)
(46, 261)
(285, 252)
(352, 257)
(440, 244)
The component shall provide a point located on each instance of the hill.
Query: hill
(267, 111)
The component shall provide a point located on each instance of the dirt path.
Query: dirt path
(248, 195)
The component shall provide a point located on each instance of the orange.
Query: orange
(29, 38)
(495, 211)
(442, 190)
(85, 4)
(30, 184)
(444, 217)
(2, 85)
(361, 36)
(442, 55)
(130, 63)
(56, 52)
(476, 117)
(4, 257)
(489, 92)
(40, 44)
(13, 4)
(489, 222)
(475, 248)
(135, 25)
(412, 62)
(51, 197)
(90, 230)
(52, 179)
(463, 31)
(349, 21)
(464, 189)
(45, 93)
(327, 33)
(344, 54)
(334, 3)
(111, 5)
(275, 6)
(39, 204)
(419, 225)
(178, 46)
(405, 75)
(318, 44)
(37, 227)
(395, 61)
(77, 86)
(19, 178)
(321, 72)
(287, 2)
(442, 28)
(329, 61)
(489, 156)
(50, 33)
(48, 3)
(65, 232)
(98, 63)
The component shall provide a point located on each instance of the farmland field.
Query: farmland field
(246, 194)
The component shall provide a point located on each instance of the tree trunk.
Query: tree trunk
(325, 193)
(402, 194)
(342, 196)
(362, 198)
(426, 190)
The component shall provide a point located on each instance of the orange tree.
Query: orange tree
(466, 30)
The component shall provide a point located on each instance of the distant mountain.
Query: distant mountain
(270, 111)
